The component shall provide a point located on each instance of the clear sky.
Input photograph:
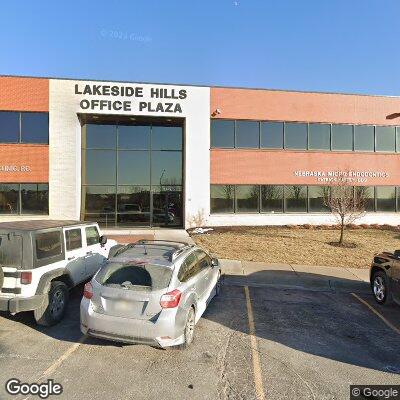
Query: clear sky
(318, 45)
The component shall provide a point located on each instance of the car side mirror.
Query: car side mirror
(397, 254)
(103, 240)
(214, 262)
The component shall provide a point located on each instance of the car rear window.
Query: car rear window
(48, 244)
(135, 276)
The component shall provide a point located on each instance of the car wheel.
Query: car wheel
(189, 330)
(380, 287)
(54, 311)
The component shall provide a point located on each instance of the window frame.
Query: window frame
(66, 231)
(86, 236)
(39, 262)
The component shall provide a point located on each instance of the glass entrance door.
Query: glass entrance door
(132, 175)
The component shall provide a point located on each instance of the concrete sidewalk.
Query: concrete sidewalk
(295, 276)
(133, 235)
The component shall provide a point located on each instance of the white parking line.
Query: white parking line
(257, 372)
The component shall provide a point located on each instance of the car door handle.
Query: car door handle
(71, 258)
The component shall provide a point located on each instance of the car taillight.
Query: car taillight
(171, 299)
(26, 278)
(88, 291)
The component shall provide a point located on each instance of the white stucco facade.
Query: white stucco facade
(65, 142)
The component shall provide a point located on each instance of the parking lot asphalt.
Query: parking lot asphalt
(307, 344)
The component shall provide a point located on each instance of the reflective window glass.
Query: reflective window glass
(133, 137)
(134, 167)
(34, 127)
(385, 198)
(316, 198)
(342, 137)
(48, 244)
(73, 239)
(99, 136)
(166, 138)
(295, 136)
(385, 138)
(247, 134)
(272, 135)
(34, 198)
(368, 194)
(319, 137)
(271, 198)
(9, 198)
(222, 133)
(99, 204)
(166, 168)
(295, 198)
(222, 198)
(9, 127)
(364, 138)
(133, 205)
(100, 167)
(247, 198)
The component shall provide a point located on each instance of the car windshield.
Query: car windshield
(10, 250)
(137, 276)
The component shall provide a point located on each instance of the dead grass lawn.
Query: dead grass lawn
(298, 245)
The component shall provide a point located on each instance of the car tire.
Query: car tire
(53, 312)
(189, 330)
(380, 288)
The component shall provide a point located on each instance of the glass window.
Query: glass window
(247, 198)
(34, 198)
(134, 167)
(316, 198)
(100, 167)
(34, 127)
(247, 134)
(99, 204)
(385, 138)
(398, 139)
(99, 136)
(295, 136)
(271, 198)
(92, 235)
(272, 135)
(9, 198)
(385, 198)
(368, 194)
(9, 127)
(319, 137)
(133, 204)
(223, 134)
(167, 205)
(73, 239)
(342, 137)
(189, 268)
(134, 137)
(166, 138)
(48, 244)
(204, 259)
(364, 138)
(222, 197)
(295, 198)
(166, 168)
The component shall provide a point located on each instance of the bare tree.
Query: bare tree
(346, 204)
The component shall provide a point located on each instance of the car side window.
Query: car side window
(204, 259)
(48, 244)
(189, 268)
(92, 235)
(73, 239)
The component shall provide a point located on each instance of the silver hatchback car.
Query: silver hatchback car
(151, 292)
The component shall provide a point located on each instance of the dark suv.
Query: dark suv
(385, 277)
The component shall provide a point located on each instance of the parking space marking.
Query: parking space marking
(63, 357)
(257, 373)
(377, 313)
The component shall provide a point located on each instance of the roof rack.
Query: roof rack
(160, 241)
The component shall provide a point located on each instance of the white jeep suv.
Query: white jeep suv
(40, 260)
